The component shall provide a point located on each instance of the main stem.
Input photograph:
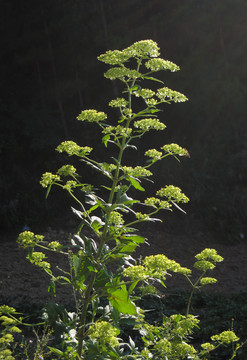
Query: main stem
(87, 298)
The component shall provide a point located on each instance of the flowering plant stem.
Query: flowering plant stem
(93, 332)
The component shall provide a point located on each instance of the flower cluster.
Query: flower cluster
(114, 57)
(137, 171)
(206, 260)
(144, 93)
(164, 349)
(71, 148)
(116, 218)
(151, 102)
(104, 333)
(207, 347)
(158, 265)
(108, 168)
(70, 184)
(117, 130)
(121, 73)
(66, 170)
(157, 203)
(28, 239)
(136, 272)
(54, 245)
(204, 265)
(173, 193)
(161, 64)
(154, 154)
(154, 202)
(165, 93)
(174, 149)
(119, 102)
(49, 179)
(37, 258)
(186, 323)
(149, 124)
(92, 116)
(155, 267)
(141, 216)
(209, 254)
(143, 49)
(226, 337)
(207, 281)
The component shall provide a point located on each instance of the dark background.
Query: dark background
(49, 72)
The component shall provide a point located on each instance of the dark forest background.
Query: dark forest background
(49, 72)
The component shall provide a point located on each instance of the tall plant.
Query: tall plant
(103, 274)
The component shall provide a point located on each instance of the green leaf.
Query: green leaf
(92, 208)
(132, 286)
(64, 278)
(147, 112)
(121, 302)
(135, 183)
(55, 351)
(152, 78)
(128, 249)
(105, 139)
(135, 88)
(92, 269)
(48, 191)
(52, 288)
(135, 238)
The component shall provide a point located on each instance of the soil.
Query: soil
(21, 280)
